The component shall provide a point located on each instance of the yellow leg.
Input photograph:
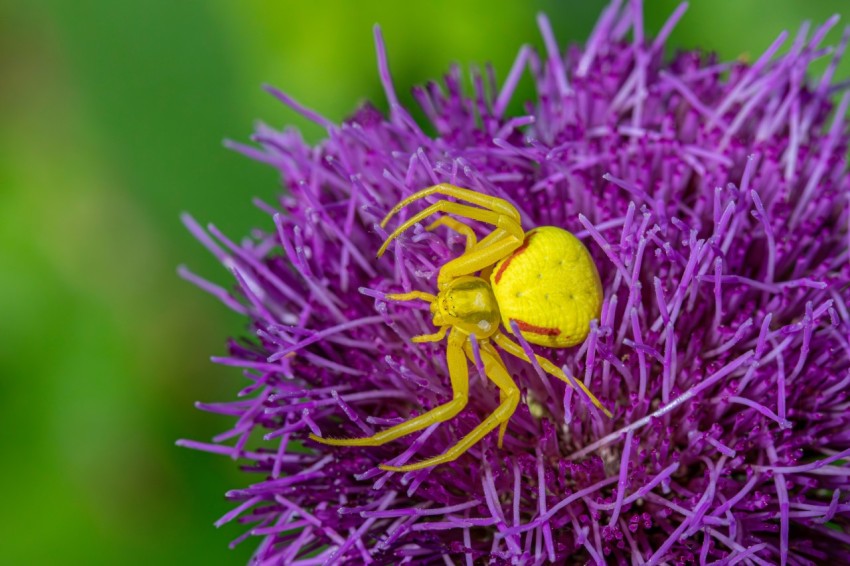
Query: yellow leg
(435, 337)
(495, 204)
(423, 296)
(411, 296)
(459, 374)
(503, 395)
(480, 258)
(490, 239)
(457, 226)
(482, 215)
(515, 349)
(509, 399)
(503, 426)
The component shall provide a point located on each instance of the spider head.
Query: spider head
(467, 303)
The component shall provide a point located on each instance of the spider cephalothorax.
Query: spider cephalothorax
(468, 304)
(543, 283)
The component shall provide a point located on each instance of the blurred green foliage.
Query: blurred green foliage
(111, 116)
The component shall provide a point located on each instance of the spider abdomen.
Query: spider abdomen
(550, 287)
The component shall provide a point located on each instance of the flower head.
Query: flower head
(714, 199)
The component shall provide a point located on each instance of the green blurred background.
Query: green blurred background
(111, 120)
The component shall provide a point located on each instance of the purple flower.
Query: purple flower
(714, 199)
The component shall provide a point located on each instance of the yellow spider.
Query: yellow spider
(544, 280)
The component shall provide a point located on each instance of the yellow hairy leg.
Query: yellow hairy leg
(459, 374)
(509, 401)
(479, 258)
(495, 204)
(515, 349)
(457, 226)
(411, 296)
(481, 215)
(502, 393)
(503, 427)
(422, 296)
(435, 337)
(495, 237)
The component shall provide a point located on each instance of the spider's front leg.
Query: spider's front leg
(507, 237)
(497, 245)
(459, 375)
(500, 221)
(457, 226)
(487, 202)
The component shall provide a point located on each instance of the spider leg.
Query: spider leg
(515, 349)
(492, 238)
(411, 296)
(503, 427)
(459, 374)
(458, 226)
(495, 204)
(427, 297)
(509, 399)
(435, 337)
(482, 215)
(480, 258)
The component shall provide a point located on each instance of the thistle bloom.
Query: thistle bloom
(714, 199)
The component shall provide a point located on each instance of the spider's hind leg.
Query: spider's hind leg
(515, 349)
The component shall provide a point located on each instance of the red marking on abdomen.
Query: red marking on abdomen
(544, 330)
(508, 261)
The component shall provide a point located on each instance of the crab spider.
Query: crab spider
(544, 281)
